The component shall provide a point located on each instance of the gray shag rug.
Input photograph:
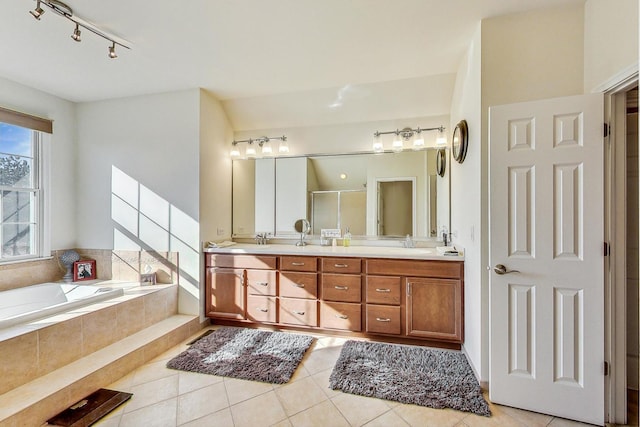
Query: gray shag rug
(248, 354)
(407, 374)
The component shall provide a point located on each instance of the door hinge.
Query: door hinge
(606, 369)
(607, 130)
(607, 249)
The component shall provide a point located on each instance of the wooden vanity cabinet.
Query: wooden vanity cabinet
(431, 296)
(225, 293)
(232, 280)
(400, 299)
(434, 308)
(298, 294)
(341, 294)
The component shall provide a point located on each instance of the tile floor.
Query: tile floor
(165, 397)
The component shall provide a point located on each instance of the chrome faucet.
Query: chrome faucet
(409, 242)
(446, 238)
(262, 238)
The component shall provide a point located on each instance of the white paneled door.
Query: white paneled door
(546, 251)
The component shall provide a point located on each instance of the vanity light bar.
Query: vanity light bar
(406, 134)
(263, 143)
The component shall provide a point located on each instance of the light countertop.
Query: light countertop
(338, 251)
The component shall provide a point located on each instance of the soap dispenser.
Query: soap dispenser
(346, 239)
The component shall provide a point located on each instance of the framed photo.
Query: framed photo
(84, 270)
(147, 279)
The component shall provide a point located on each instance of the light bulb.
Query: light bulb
(418, 142)
(397, 145)
(441, 139)
(377, 145)
(283, 147)
(251, 151)
(266, 149)
(76, 33)
(235, 151)
(112, 51)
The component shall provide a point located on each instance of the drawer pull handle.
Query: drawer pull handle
(301, 313)
(382, 319)
(297, 264)
(341, 288)
(264, 310)
(383, 290)
(342, 316)
(340, 265)
(262, 283)
(299, 285)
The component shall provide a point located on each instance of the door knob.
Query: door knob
(501, 269)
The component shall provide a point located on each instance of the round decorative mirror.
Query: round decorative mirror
(441, 161)
(460, 141)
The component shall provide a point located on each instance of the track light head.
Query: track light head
(37, 12)
(76, 34)
(112, 51)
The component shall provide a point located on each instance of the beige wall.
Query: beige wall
(611, 42)
(216, 135)
(512, 58)
(466, 203)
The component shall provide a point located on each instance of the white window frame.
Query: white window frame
(41, 178)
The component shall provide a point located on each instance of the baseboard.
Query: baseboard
(483, 384)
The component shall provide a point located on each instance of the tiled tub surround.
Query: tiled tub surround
(110, 265)
(34, 349)
(50, 363)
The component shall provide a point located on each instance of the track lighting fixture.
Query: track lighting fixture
(76, 34)
(64, 10)
(406, 135)
(112, 51)
(265, 146)
(38, 11)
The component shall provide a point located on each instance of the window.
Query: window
(21, 196)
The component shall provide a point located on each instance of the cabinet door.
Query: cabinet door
(434, 308)
(225, 293)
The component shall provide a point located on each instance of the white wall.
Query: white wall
(63, 154)
(138, 182)
(466, 211)
(610, 41)
(416, 97)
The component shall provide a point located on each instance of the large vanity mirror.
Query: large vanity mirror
(386, 195)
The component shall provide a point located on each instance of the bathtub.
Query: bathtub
(30, 303)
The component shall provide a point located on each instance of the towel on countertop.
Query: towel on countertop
(224, 244)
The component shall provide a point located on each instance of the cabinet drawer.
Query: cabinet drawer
(341, 287)
(340, 315)
(298, 263)
(383, 290)
(241, 261)
(261, 282)
(262, 309)
(298, 285)
(298, 312)
(399, 267)
(341, 265)
(383, 319)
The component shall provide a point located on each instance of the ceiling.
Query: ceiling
(241, 48)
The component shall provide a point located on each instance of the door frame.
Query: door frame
(413, 180)
(615, 264)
